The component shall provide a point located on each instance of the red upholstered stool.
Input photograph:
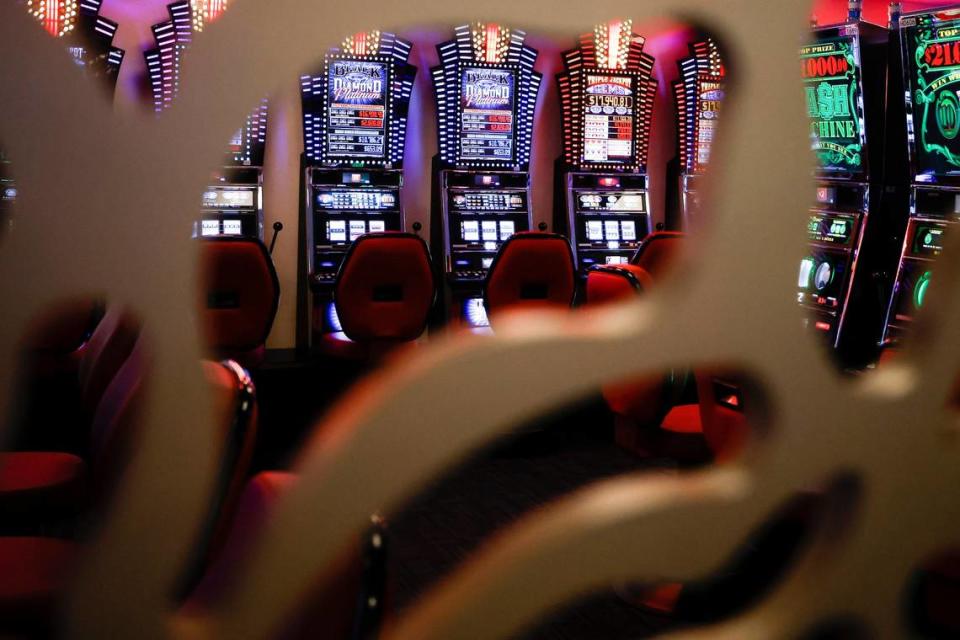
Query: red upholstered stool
(383, 294)
(613, 283)
(55, 342)
(640, 405)
(48, 395)
(33, 572)
(240, 295)
(332, 609)
(532, 269)
(33, 569)
(42, 486)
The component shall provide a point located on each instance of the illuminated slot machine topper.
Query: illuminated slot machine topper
(354, 132)
(87, 34)
(607, 91)
(232, 203)
(850, 74)
(931, 55)
(486, 92)
(88, 38)
(699, 96)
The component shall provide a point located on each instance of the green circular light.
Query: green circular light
(920, 290)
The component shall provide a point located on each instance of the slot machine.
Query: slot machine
(354, 133)
(607, 90)
(8, 195)
(698, 94)
(931, 64)
(486, 92)
(232, 203)
(851, 80)
(88, 37)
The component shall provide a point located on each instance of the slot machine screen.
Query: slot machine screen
(488, 114)
(209, 228)
(357, 96)
(830, 69)
(608, 120)
(928, 240)
(232, 228)
(933, 72)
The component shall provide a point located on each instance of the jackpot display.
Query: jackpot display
(931, 49)
(931, 67)
(487, 107)
(830, 70)
(356, 114)
(232, 203)
(852, 90)
(354, 129)
(486, 93)
(699, 94)
(606, 92)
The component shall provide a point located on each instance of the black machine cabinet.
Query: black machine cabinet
(930, 46)
(607, 90)
(609, 216)
(8, 197)
(233, 204)
(851, 77)
(342, 205)
(354, 132)
(486, 96)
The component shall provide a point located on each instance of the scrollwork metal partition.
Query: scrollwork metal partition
(121, 176)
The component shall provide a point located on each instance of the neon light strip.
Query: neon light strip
(613, 44)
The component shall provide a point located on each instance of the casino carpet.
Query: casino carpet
(445, 524)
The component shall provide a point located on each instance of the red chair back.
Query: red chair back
(116, 423)
(644, 400)
(658, 252)
(612, 283)
(385, 288)
(106, 351)
(240, 294)
(531, 269)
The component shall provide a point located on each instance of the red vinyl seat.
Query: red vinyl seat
(33, 570)
(331, 608)
(41, 485)
(383, 294)
(55, 342)
(532, 269)
(240, 296)
(647, 401)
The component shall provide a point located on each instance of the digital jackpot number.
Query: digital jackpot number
(625, 102)
(942, 54)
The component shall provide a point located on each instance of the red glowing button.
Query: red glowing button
(823, 326)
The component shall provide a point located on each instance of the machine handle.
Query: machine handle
(277, 228)
(417, 227)
(542, 226)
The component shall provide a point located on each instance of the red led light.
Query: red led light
(609, 182)
(823, 326)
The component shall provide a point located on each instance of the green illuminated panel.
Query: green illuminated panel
(933, 61)
(830, 70)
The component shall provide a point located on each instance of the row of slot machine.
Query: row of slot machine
(355, 115)
(88, 37)
(884, 106)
